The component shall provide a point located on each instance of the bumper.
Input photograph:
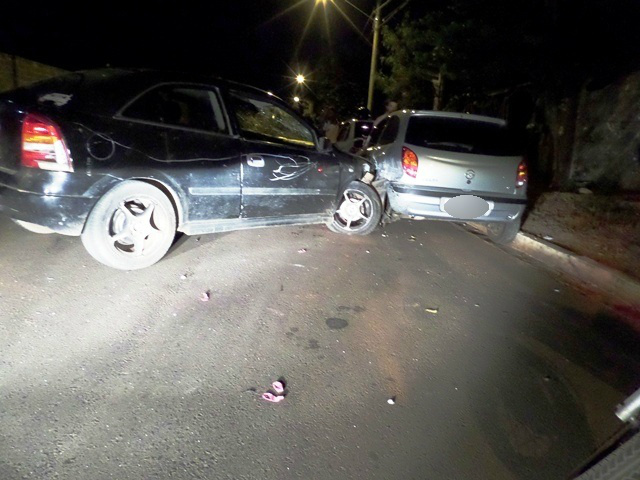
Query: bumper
(429, 203)
(61, 214)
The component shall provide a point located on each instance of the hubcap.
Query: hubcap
(355, 210)
(137, 226)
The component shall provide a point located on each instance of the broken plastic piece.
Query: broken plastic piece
(431, 310)
(547, 238)
(205, 296)
(392, 401)
(302, 250)
(278, 387)
(270, 397)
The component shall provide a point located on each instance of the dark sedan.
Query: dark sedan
(125, 158)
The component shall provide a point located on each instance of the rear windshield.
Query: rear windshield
(462, 135)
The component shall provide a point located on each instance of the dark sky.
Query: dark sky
(238, 39)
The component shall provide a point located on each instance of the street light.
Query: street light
(300, 79)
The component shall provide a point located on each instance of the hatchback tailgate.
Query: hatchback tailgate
(468, 172)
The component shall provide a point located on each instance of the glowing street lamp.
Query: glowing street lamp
(296, 99)
(300, 79)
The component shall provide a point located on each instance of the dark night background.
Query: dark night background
(240, 39)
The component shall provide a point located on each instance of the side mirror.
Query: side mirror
(324, 145)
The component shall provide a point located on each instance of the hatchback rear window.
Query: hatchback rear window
(462, 135)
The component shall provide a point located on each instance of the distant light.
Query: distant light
(296, 99)
(323, 2)
(300, 78)
(365, 127)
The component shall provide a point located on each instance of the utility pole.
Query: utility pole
(374, 53)
(378, 22)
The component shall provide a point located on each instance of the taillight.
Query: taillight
(409, 162)
(43, 146)
(522, 177)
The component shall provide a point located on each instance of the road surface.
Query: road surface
(496, 369)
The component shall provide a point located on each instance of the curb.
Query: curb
(609, 281)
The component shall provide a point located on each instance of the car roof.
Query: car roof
(441, 114)
(106, 89)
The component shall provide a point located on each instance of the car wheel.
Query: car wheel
(131, 227)
(359, 212)
(503, 233)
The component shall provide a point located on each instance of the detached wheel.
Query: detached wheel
(131, 227)
(359, 212)
(503, 233)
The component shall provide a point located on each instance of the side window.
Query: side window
(390, 132)
(376, 131)
(181, 106)
(263, 120)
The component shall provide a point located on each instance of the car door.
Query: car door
(202, 157)
(282, 174)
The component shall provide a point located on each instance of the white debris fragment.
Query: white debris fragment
(302, 250)
(384, 235)
(391, 401)
(547, 238)
(368, 251)
(183, 277)
(431, 310)
(205, 296)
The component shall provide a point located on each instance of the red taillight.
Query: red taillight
(409, 162)
(522, 177)
(43, 146)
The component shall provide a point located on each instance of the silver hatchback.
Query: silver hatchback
(451, 166)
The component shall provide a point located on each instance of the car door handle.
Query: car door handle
(255, 161)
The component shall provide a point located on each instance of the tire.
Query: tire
(360, 210)
(131, 227)
(503, 233)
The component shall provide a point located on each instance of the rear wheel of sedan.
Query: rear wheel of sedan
(359, 212)
(503, 233)
(131, 227)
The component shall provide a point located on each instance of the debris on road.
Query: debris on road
(384, 235)
(368, 251)
(279, 388)
(183, 277)
(270, 397)
(302, 250)
(205, 296)
(412, 238)
(392, 401)
(298, 265)
(431, 310)
(547, 238)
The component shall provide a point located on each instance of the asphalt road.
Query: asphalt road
(498, 370)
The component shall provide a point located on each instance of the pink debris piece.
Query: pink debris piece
(205, 297)
(270, 397)
(302, 250)
(278, 387)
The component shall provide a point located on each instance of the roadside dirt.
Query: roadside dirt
(603, 228)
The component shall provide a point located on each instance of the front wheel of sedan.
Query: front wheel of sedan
(131, 227)
(503, 233)
(359, 212)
